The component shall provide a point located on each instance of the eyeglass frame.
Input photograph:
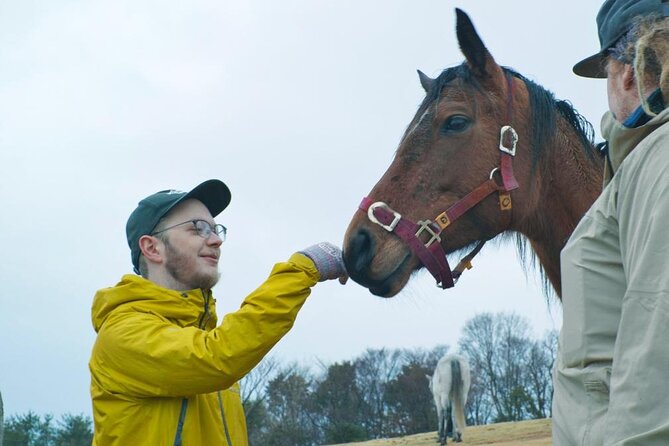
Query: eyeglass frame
(218, 229)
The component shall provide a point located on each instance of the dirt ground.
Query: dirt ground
(525, 433)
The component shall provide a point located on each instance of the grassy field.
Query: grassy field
(526, 433)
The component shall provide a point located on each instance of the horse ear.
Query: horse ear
(425, 80)
(429, 377)
(479, 59)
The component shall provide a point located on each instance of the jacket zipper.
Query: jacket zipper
(225, 423)
(180, 424)
(203, 320)
(205, 314)
(184, 402)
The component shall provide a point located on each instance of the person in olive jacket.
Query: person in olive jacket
(162, 371)
(611, 368)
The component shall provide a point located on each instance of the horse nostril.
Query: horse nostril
(359, 252)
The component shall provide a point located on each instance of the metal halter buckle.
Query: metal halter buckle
(380, 204)
(514, 139)
(425, 225)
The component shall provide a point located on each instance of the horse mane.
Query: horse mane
(545, 111)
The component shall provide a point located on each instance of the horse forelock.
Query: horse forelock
(427, 107)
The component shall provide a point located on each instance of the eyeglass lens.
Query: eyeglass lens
(204, 229)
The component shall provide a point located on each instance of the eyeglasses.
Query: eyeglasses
(204, 229)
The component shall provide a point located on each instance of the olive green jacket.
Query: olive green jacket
(610, 380)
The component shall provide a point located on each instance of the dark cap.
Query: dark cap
(614, 20)
(214, 194)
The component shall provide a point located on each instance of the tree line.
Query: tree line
(382, 393)
(31, 429)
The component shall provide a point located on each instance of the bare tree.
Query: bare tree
(290, 410)
(479, 408)
(340, 404)
(254, 384)
(498, 347)
(373, 370)
(539, 373)
(410, 403)
(428, 358)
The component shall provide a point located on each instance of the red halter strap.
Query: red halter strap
(432, 254)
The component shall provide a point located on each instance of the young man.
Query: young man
(162, 371)
(611, 370)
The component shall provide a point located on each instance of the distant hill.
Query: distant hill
(525, 433)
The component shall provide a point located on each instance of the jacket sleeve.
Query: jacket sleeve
(143, 355)
(638, 404)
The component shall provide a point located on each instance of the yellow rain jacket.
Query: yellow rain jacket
(163, 373)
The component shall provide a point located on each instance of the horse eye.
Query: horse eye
(456, 124)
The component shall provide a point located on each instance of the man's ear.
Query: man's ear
(152, 248)
(629, 80)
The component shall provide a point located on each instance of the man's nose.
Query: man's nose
(214, 240)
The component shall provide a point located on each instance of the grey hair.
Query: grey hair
(646, 48)
(623, 49)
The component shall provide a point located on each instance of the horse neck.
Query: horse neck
(566, 185)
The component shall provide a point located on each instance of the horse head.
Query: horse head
(452, 170)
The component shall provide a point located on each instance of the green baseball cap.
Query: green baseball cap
(214, 194)
(614, 20)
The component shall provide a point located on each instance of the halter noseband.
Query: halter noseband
(430, 252)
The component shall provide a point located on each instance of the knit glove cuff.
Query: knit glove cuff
(328, 260)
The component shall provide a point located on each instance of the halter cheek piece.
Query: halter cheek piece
(432, 254)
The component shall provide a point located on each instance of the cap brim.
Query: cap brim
(593, 66)
(214, 194)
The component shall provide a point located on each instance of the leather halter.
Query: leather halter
(432, 254)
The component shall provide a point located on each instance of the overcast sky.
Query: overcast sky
(298, 105)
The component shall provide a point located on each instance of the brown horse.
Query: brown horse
(469, 178)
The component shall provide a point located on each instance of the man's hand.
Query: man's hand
(328, 260)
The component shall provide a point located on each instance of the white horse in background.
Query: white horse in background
(450, 386)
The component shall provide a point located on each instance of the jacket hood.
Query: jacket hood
(134, 293)
(622, 140)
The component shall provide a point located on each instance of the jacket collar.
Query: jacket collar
(622, 139)
(136, 294)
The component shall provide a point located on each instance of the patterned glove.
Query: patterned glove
(328, 261)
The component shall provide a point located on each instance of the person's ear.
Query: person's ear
(629, 80)
(152, 248)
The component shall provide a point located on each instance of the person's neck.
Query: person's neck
(165, 280)
(639, 117)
